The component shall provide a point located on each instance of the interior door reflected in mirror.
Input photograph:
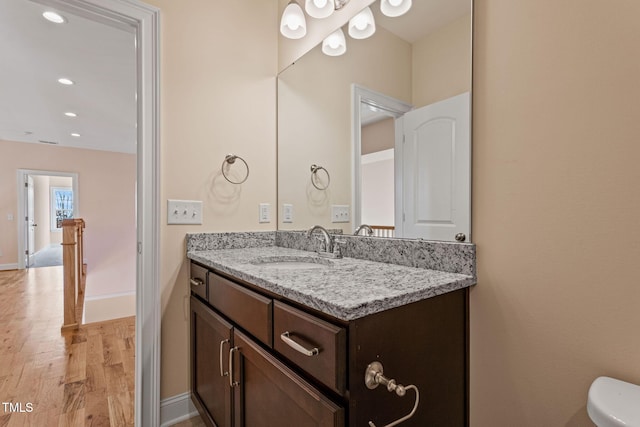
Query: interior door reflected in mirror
(390, 120)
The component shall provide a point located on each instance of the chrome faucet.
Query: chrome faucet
(328, 241)
(365, 227)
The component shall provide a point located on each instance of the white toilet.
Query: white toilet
(614, 403)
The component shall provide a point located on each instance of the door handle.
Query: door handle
(285, 336)
(232, 383)
(222, 372)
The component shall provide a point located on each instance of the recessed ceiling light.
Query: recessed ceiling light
(70, 114)
(65, 81)
(52, 16)
(75, 134)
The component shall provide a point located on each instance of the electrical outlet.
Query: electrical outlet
(264, 213)
(9, 217)
(184, 212)
(340, 213)
(287, 213)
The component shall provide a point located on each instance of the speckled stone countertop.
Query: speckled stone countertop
(346, 288)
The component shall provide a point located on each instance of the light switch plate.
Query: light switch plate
(340, 213)
(264, 213)
(287, 213)
(184, 211)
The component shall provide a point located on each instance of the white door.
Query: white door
(436, 164)
(30, 222)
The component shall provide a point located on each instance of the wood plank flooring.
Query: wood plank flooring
(48, 378)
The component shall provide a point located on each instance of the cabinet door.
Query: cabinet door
(211, 338)
(269, 394)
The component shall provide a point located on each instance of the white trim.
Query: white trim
(395, 108)
(107, 296)
(13, 266)
(21, 176)
(176, 409)
(144, 21)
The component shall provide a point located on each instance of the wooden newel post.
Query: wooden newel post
(68, 261)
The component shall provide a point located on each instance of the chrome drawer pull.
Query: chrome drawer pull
(232, 383)
(197, 282)
(297, 347)
(222, 372)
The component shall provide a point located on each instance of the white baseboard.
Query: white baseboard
(8, 266)
(176, 409)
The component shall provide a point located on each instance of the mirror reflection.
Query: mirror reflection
(389, 122)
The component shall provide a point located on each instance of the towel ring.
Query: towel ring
(314, 171)
(231, 159)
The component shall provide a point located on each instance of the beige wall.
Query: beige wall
(555, 202)
(378, 136)
(555, 207)
(441, 63)
(219, 61)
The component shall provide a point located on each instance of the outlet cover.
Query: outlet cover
(287, 213)
(264, 213)
(184, 212)
(340, 213)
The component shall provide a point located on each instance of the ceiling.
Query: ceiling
(424, 17)
(100, 59)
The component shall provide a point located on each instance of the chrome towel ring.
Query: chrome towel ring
(231, 159)
(314, 177)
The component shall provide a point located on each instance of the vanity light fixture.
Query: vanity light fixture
(65, 81)
(335, 44)
(362, 25)
(70, 114)
(393, 8)
(77, 135)
(54, 17)
(293, 24)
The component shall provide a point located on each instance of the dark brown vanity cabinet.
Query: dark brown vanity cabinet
(211, 339)
(259, 360)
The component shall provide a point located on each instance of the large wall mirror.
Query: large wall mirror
(380, 135)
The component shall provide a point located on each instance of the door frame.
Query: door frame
(143, 20)
(22, 175)
(396, 108)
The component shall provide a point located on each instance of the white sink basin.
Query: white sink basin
(293, 263)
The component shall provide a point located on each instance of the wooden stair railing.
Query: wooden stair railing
(74, 271)
(383, 230)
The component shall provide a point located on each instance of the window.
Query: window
(61, 206)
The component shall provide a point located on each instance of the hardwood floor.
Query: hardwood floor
(49, 378)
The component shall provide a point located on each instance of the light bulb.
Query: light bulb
(394, 8)
(362, 25)
(319, 8)
(293, 24)
(334, 44)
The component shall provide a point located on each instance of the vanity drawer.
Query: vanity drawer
(295, 331)
(251, 311)
(198, 280)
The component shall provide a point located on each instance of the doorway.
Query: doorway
(144, 21)
(39, 226)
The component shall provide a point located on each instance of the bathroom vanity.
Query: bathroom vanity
(283, 337)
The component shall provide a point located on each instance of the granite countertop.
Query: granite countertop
(346, 288)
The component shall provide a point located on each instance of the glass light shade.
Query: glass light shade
(362, 25)
(319, 8)
(335, 43)
(393, 8)
(293, 25)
